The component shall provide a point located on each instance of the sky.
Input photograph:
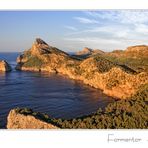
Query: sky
(73, 30)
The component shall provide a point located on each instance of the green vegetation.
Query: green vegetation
(81, 57)
(103, 64)
(131, 113)
(137, 64)
(34, 61)
(112, 83)
(27, 54)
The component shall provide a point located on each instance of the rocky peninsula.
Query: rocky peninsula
(116, 80)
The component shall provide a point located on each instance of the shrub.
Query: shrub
(34, 62)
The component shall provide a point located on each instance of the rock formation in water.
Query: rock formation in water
(4, 66)
(115, 80)
(18, 120)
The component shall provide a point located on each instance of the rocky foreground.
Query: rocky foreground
(18, 120)
(116, 80)
(4, 66)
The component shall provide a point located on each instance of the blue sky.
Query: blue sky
(73, 30)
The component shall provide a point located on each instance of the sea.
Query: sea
(53, 94)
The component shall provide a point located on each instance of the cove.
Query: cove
(54, 94)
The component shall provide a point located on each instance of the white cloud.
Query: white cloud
(141, 28)
(111, 29)
(133, 17)
(94, 40)
(130, 24)
(106, 44)
(97, 43)
(121, 16)
(86, 20)
(114, 31)
(71, 28)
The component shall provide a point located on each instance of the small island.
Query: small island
(4, 66)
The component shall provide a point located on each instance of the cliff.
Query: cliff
(18, 120)
(4, 66)
(115, 80)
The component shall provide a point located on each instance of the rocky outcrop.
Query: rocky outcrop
(85, 51)
(17, 120)
(115, 80)
(4, 66)
(88, 52)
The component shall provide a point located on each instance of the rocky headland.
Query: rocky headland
(4, 66)
(116, 80)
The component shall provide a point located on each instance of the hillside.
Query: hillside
(135, 57)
